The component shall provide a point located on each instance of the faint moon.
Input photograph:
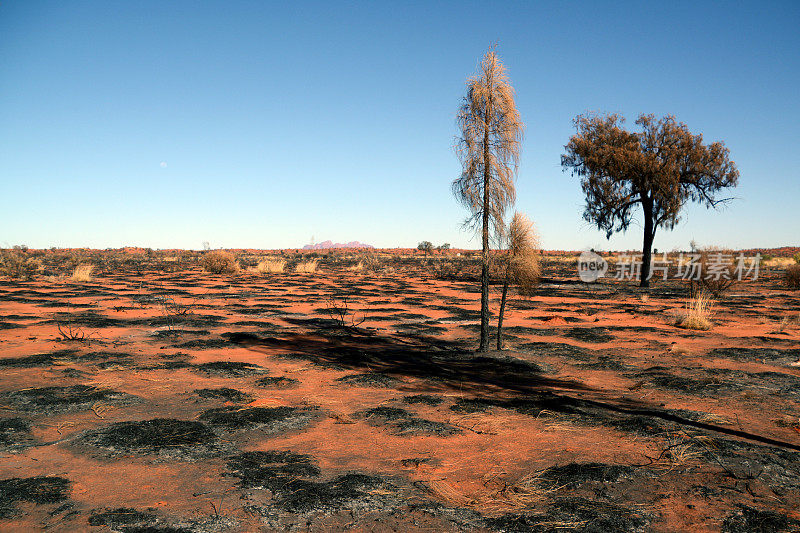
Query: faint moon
(163, 164)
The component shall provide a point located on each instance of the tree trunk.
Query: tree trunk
(484, 346)
(502, 311)
(647, 245)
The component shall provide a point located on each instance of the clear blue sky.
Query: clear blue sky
(254, 124)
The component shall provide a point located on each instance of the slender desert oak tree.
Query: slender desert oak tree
(519, 263)
(491, 132)
(659, 168)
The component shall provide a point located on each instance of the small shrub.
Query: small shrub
(270, 266)
(82, 273)
(17, 264)
(369, 261)
(307, 266)
(796, 258)
(448, 269)
(792, 277)
(696, 315)
(220, 263)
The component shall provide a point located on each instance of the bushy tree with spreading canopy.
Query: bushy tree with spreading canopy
(659, 168)
(489, 145)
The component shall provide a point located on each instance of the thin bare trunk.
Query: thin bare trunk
(502, 311)
(484, 346)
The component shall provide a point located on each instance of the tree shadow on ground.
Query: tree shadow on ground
(447, 366)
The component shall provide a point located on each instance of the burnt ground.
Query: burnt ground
(245, 405)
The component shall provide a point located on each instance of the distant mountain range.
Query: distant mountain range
(324, 245)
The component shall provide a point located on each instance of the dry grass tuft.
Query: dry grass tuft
(554, 421)
(270, 266)
(475, 422)
(82, 273)
(791, 422)
(680, 349)
(504, 495)
(711, 418)
(696, 315)
(786, 323)
(359, 267)
(445, 491)
(307, 266)
(682, 450)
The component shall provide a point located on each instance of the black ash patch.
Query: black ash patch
(38, 490)
(229, 369)
(224, 393)
(277, 382)
(272, 420)
(166, 436)
(70, 398)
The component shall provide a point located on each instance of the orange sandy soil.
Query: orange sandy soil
(599, 415)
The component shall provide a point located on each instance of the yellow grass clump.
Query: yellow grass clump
(82, 273)
(778, 262)
(357, 267)
(697, 313)
(270, 266)
(307, 266)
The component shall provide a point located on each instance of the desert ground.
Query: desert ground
(155, 396)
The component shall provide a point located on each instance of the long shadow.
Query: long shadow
(445, 365)
(496, 378)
